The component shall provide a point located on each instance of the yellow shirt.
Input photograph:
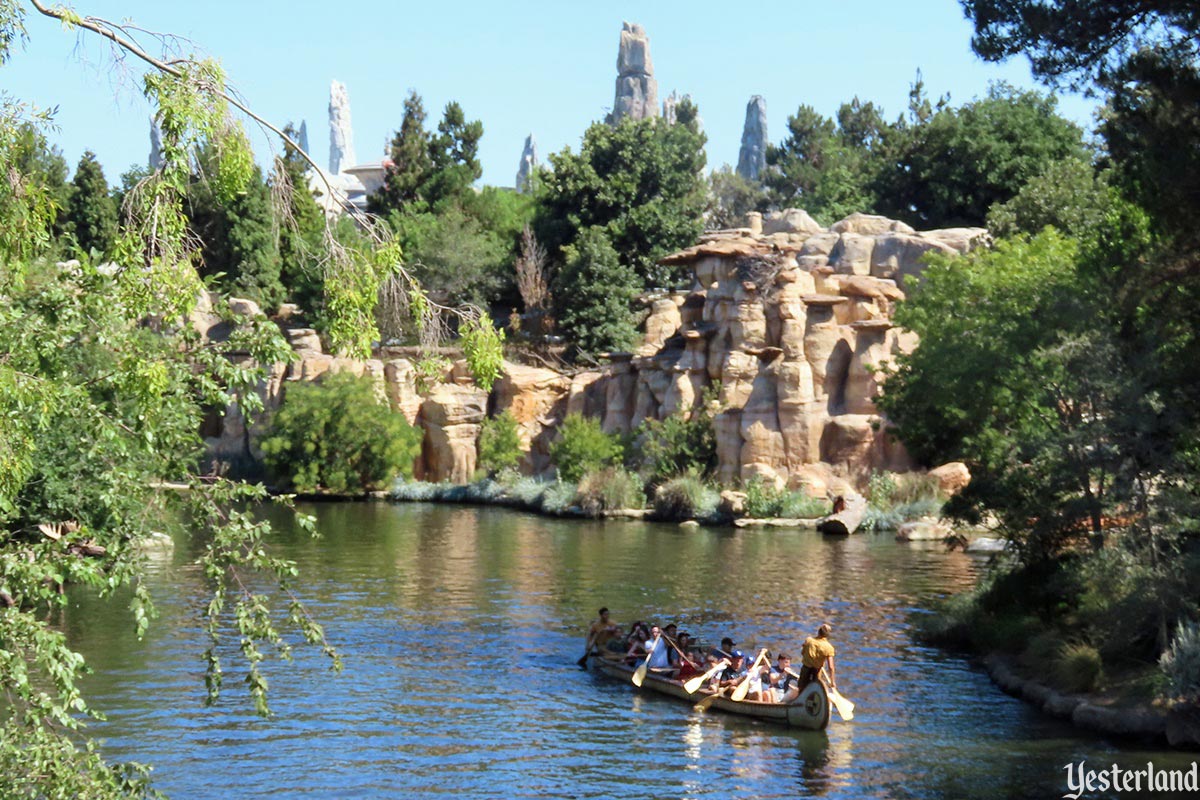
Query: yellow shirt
(816, 652)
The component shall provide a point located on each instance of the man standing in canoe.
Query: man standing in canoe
(816, 654)
(599, 634)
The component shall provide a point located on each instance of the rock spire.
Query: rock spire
(752, 158)
(637, 90)
(341, 136)
(155, 161)
(529, 164)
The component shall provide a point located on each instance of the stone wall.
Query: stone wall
(786, 323)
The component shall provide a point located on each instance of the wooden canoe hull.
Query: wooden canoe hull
(810, 711)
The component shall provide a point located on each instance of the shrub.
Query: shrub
(676, 445)
(557, 497)
(1077, 668)
(1181, 662)
(609, 489)
(763, 500)
(499, 443)
(339, 435)
(582, 447)
(798, 505)
(527, 492)
(685, 497)
(416, 491)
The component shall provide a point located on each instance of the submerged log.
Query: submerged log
(846, 519)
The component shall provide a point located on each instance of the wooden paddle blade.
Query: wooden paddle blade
(707, 701)
(843, 706)
(639, 674)
(739, 692)
(695, 683)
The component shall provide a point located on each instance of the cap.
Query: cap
(738, 654)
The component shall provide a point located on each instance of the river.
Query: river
(460, 628)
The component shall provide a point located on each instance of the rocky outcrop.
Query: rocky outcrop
(341, 136)
(302, 137)
(527, 167)
(637, 90)
(752, 158)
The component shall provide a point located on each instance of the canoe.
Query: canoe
(810, 711)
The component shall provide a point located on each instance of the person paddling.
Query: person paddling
(816, 655)
(601, 631)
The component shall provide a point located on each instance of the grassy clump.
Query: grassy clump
(1180, 663)
(609, 489)
(685, 497)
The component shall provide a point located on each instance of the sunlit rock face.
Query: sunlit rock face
(752, 158)
(341, 135)
(637, 90)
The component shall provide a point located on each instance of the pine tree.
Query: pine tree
(411, 162)
(595, 292)
(91, 212)
(300, 240)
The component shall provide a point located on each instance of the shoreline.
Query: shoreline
(1177, 727)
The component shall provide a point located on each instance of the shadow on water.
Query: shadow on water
(460, 628)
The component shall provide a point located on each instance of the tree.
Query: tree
(640, 180)
(238, 235)
(454, 155)
(91, 213)
(339, 435)
(453, 257)
(499, 443)
(301, 234)
(826, 167)
(1070, 196)
(731, 197)
(594, 294)
(582, 447)
(948, 167)
(410, 161)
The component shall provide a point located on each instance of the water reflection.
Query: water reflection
(460, 627)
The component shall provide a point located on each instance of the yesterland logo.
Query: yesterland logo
(1114, 778)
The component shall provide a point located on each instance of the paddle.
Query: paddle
(695, 683)
(639, 674)
(709, 700)
(844, 707)
(739, 692)
(682, 654)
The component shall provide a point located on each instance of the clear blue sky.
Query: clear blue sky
(542, 67)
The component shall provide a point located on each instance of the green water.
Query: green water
(460, 628)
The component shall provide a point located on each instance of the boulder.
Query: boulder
(952, 477)
(303, 340)
(852, 254)
(732, 503)
(662, 324)
(923, 530)
(869, 225)
(790, 220)
(899, 255)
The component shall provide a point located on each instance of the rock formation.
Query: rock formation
(341, 136)
(302, 137)
(789, 325)
(668, 108)
(529, 164)
(752, 158)
(637, 90)
(155, 161)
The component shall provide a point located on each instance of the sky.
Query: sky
(546, 68)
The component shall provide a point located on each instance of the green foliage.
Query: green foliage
(609, 489)
(1069, 195)
(1181, 662)
(798, 505)
(1077, 668)
(91, 212)
(827, 167)
(453, 256)
(583, 447)
(557, 497)
(352, 294)
(639, 181)
(763, 499)
(239, 247)
(411, 163)
(594, 294)
(499, 443)
(949, 168)
(34, 187)
(483, 347)
(731, 197)
(301, 232)
(338, 435)
(676, 445)
(683, 497)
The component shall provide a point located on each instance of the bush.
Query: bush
(763, 500)
(685, 497)
(416, 491)
(582, 447)
(557, 497)
(677, 445)
(1077, 668)
(609, 489)
(1181, 663)
(798, 505)
(340, 436)
(499, 443)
